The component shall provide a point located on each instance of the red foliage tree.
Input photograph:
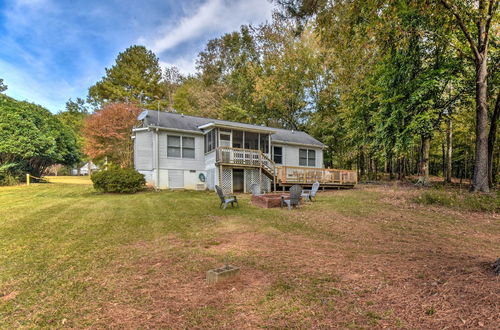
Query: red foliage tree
(108, 132)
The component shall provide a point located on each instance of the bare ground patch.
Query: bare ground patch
(395, 267)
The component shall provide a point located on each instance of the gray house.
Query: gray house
(177, 151)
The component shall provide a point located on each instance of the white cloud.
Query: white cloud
(214, 16)
(186, 66)
(28, 87)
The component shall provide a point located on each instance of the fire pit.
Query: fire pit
(268, 200)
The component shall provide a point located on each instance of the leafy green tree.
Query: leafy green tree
(73, 117)
(195, 98)
(474, 20)
(32, 139)
(226, 67)
(172, 79)
(3, 87)
(135, 77)
(290, 66)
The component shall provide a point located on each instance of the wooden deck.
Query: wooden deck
(284, 176)
(238, 157)
(290, 175)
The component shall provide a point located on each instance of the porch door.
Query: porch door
(224, 138)
(225, 141)
(238, 180)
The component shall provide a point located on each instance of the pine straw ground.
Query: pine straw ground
(362, 258)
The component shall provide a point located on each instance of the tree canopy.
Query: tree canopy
(135, 77)
(107, 133)
(3, 87)
(32, 139)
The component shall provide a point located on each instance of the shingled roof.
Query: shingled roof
(191, 123)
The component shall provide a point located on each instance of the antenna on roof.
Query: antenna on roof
(158, 114)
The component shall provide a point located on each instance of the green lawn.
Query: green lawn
(71, 257)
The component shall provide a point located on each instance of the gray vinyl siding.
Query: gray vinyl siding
(178, 163)
(143, 151)
(291, 155)
(176, 179)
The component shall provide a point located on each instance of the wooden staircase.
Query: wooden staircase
(238, 157)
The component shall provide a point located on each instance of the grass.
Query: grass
(71, 257)
(461, 200)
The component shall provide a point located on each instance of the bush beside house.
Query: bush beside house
(118, 180)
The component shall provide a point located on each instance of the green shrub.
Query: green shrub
(438, 198)
(8, 180)
(118, 180)
(461, 200)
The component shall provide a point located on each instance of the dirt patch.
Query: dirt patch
(10, 296)
(167, 288)
(394, 267)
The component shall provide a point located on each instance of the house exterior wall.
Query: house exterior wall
(178, 172)
(291, 155)
(143, 151)
(144, 155)
(164, 172)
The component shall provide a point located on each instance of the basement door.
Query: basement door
(175, 179)
(238, 180)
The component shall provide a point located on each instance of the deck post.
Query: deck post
(220, 176)
(274, 179)
(260, 177)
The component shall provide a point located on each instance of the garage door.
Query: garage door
(176, 179)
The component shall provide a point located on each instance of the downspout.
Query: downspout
(157, 155)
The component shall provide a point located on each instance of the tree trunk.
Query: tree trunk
(443, 160)
(423, 175)
(449, 150)
(362, 163)
(391, 167)
(480, 177)
(491, 141)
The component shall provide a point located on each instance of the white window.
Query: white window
(307, 157)
(278, 155)
(173, 146)
(187, 147)
(180, 147)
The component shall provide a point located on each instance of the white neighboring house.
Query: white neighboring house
(84, 170)
(177, 151)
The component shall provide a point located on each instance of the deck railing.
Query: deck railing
(309, 175)
(248, 157)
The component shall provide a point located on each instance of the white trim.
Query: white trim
(206, 126)
(140, 129)
(186, 131)
(300, 144)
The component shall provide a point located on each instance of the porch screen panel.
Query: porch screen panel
(251, 140)
(237, 139)
(264, 143)
(210, 140)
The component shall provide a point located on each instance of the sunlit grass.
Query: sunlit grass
(62, 244)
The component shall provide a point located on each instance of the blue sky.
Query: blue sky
(53, 50)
